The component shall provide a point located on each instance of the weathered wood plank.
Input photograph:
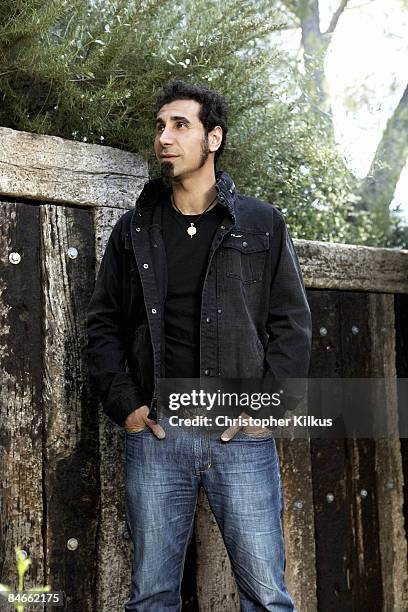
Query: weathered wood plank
(363, 496)
(401, 345)
(375, 561)
(298, 521)
(52, 169)
(348, 267)
(332, 515)
(345, 493)
(71, 461)
(21, 415)
(216, 587)
(393, 543)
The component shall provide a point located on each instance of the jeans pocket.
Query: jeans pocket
(267, 435)
(137, 433)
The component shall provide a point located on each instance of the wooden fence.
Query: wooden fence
(62, 460)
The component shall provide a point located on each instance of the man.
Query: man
(197, 281)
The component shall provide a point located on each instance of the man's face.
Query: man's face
(181, 145)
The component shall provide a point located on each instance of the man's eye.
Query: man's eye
(180, 123)
(159, 128)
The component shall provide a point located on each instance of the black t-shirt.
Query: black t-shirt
(187, 259)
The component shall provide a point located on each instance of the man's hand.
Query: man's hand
(138, 420)
(254, 430)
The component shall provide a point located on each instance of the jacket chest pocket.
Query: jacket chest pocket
(245, 256)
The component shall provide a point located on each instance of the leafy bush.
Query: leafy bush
(90, 70)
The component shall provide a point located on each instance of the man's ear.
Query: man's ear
(215, 138)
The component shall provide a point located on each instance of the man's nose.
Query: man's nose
(166, 137)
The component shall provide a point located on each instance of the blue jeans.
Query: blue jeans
(241, 479)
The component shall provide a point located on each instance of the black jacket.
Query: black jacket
(255, 318)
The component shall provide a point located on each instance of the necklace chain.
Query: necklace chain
(192, 230)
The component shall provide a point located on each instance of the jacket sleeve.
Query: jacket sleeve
(289, 323)
(105, 350)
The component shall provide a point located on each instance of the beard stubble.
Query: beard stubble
(167, 168)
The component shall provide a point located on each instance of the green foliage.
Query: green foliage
(292, 165)
(90, 70)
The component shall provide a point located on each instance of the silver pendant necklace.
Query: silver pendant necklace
(192, 230)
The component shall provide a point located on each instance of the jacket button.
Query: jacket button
(154, 311)
(219, 310)
(145, 266)
(207, 372)
(222, 227)
(208, 320)
(244, 244)
(138, 229)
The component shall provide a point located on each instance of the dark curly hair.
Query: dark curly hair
(213, 112)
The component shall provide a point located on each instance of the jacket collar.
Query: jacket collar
(154, 189)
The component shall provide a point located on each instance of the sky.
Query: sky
(367, 61)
